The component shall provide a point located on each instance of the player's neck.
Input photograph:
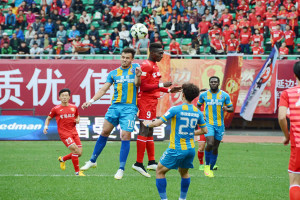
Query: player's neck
(186, 101)
(151, 59)
(125, 67)
(214, 91)
(64, 104)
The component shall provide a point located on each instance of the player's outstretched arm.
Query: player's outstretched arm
(176, 89)
(137, 78)
(156, 123)
(97, 96)
(201, 131)
(77, 119)
(230, 109)
(283, 124)
(47, 121)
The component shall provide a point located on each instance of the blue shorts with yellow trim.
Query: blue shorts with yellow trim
(123, 114)
(172, 158)
(216, 131)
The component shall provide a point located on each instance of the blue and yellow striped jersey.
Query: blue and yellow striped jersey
(125, 90)
(213, 103)
(185, 118)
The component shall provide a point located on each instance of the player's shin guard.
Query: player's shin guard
(213, 160)
(150, 148)
(100, 144)
(75, 162)
(207, 157)
(294, 192)
(67, 157)
(161, 184)
(140, 148)
(185, 183)
(124, 151)
(200, 157)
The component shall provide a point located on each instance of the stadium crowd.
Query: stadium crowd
(103, 27)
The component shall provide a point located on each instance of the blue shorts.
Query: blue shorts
(123, 114)
(216, 131)
(172, 158)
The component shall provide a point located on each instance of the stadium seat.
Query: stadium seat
(96, 24)
(8, 31)
(163, 34)
(166, 41)
(167, 48)
(96, 17)
(114, 24)
(233, 15)
(101, 32)
(179, 40)
(54, 39)
(163, 25)
(91, 2)
(207, 50)
(186, 41)
(201, 49)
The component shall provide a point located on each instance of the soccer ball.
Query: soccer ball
(139, 31)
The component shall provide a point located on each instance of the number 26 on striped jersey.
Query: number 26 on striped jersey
(189, 123)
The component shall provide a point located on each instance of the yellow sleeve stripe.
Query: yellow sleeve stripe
(164, 118)
(228, 104)
(202, 124)
(199, 103)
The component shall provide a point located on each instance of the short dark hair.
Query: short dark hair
(214, 77)
(297, 69)
(64, 90)
(190, 91)
(153, 46)
(129, 50)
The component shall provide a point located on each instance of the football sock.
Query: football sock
(207, 157)
(67, 157)
(200, 157)
(161, 184)
(75, 162)
(150, 148)
(213, 160)
(124, 151)
(140, 148)
(185, 183)
(100, 144)
(294, 192)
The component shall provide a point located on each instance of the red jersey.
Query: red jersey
(268, 17)
(65, 118)
(288, 6)
(126, 12)
(226, 34)
(245, 37)
(243, 23)
(272, 25)
(218, 44)
(258, 38)
(204, 27)
(115, 10)
(150, 80)
(226, 19)
(232, 44)
(260, 10)
(290, 99)
(244, 8)
(276, 35)
(175, 47)
(289, 37)
(283, 14)
(284, 51)
(257, 50)
(252, 19)
(212, 33)
(260, 24)
(293, 22)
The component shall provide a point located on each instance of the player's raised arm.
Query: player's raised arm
(98, 95)
(47, 121)
(150, 124)
(137, 78)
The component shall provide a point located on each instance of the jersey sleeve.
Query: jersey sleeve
(145, 83)
(76, 112)
(110, 78)
(228, 101)
(168, 115)
(284, 99)
(52, 113)
(201, 121)
(201, 99)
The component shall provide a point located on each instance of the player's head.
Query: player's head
(156, 52)
(190, 91)
(297, 70)
(127, 57)
(64, 95)
(214, 83)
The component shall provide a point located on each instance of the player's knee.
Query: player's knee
(105, 133)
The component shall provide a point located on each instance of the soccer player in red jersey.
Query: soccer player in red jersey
(67, 117)
(277, 36)
(289, 37)
(232, 44)
(257, 50)
(290, 99)
(147, 102)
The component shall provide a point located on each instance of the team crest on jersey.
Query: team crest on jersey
(132, 70)
(73, 109)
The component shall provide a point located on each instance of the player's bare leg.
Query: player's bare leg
(294, 186)
(100, 144)
(185, 182)
(161, 181)
(76, 153)
(201, 147)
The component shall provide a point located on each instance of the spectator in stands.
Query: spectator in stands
(98, 6)
(35, 10)
(243, 7)
(273, 24)
(142, 46)
(204, 26)
(61, 34)
(288, 5)
(182, 28)
(209, 7)
(157, 18)
(106, 44)
(277, 36)
(95, 45)
(257, 50)
(23, 49)
(259, 25)
(43, 17)
(121, 24)
(30, 18)
(257, 37)
(10, 19)
(282, 16)
(78, 6)
(293, 20)
(20, 19)
(213, 32)
(166, 11)
(35, 50)
(59, 50)
(244, 23)
(116, 12)
(1, 32)
(220, 7)
(226, 33)
(136, 7)
(37, 24)
(232, 44)
(136, 18)
(41, 31)
(86, 18)
(283, 50)
(6, 50)
(172, 28)
(19, 33)
(215, 17)
(252, 20)
(81, 27)
(35, 40)
(4, 39)
(268, 17)
(126, 14)
(174, 48)
(192, 30)
(245, 40)
(64, 11)
(13, 8)
(94, 32)
(178, 7)
(208, 16)
(68, 3)
(86, 43)
(72, 20)
(189, 8)
(174, 15)
(106, 19)
(73, 33)
(2, 19)
(289, 36)
(196, 16)
(49, 27)
(46, 44)
(76, 45)
(125, 36)
(56, 25)
(217, 46)
(29, 35)
(114, 34)
(117, 45)
(23, 7)
(200, 7)
(156, 38)
(14, 42)
(147, 11)
(55, 16)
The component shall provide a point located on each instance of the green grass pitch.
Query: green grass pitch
(30, 170)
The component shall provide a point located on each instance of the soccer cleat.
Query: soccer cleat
(215, 167)
(80, 173)
(211, 174)
(141, 170)
(152, 165)
(62, 163)
(119, 174)
(88, 165)
(206, 170)
(201, 167)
